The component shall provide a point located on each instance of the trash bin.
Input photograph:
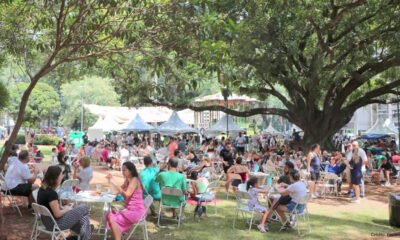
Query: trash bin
(394, 209)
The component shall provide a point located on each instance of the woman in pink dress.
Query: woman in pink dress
(121, 222)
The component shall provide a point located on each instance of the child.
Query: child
(254, 204)
(54, 155)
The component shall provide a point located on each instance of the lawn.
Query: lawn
(46, 150)
(331, 218)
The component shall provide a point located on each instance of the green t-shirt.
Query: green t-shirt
(148, 177)
(173, 180)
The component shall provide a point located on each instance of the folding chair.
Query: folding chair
(171, 192)
(147, 203)
(242, 207)
(7, 194)
(38, 226)
(330, 181)
(295, 214)
(213, 186)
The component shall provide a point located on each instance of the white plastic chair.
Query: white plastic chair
(7, 194)
(147, 203)
(38, 227)
(172, 192)
(329, 181)
(242, 207)
(299, 215)
(212, 187)
(242, 187)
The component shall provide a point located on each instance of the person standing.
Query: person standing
(240, 144)
(227, 156)
(313, 168)
(172, 146)
(355, 148)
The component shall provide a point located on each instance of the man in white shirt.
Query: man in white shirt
(361, 153)
(19, 179)
(240, 143)
(123, 154)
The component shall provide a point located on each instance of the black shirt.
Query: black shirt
(45, 196)
(227, 156)
(387, 166)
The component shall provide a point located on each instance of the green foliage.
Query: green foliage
(4, 96)
(45, 139)
(89, 90)
(20, 139)
(44, 103)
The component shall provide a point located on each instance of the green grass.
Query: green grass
(46, 150)
(327, 222)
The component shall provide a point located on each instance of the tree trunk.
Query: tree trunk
(19, 121)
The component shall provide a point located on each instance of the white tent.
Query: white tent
(137, 125)
(221, 127)
(174, 126)
(148, 114)
(382, 126)
(271, 130)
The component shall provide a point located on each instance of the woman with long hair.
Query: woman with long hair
(355, 166)
(132, 191)
(76, 219)
(313, 168)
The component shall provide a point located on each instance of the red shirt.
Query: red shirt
(395, 159)
(171, 148)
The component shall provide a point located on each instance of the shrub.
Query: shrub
(45, 139)
(20, 139)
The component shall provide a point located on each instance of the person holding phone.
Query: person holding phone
(68, 217)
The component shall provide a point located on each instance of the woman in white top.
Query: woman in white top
(84, 173)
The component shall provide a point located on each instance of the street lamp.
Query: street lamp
(226, 93)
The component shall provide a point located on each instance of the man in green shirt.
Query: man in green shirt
(148, 178)
(173, 179)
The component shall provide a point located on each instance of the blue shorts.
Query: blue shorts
(291, 205)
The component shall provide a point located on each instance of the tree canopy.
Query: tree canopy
(43, 104)
(322, 60)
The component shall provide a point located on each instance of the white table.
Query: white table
(88, 197)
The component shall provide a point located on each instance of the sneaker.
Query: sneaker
(262, 228)
(313, 196)
(317, 195)
(387, 184)
(355, 200)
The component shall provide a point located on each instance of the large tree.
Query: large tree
(328, 58)
(44, 35)
(43, 104)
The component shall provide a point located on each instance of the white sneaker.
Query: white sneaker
(387, 184)
(317, 194)
(313, 196)
(355, 200)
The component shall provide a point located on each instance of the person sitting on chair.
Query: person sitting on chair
(199, 186)
(388, 171)
(20, 177)
(76, 219)
(239, 169)
(297, 191)
(84, 173)
(148, 178)
(173, 179)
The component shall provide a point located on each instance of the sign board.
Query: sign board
(76, 138)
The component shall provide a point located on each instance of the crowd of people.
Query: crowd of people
(149, 163)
